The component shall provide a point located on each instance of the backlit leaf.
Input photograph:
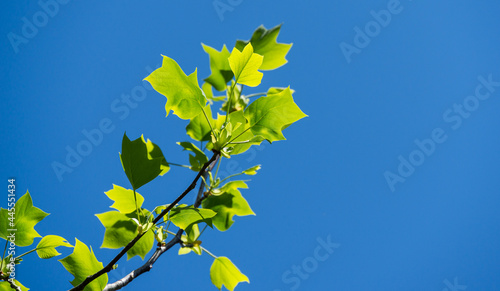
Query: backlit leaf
(26, 216)
(224, 272)
(82, 263)
(184, 96)
(124, 199)
(265, 44)
(120, 230)
(46, 248)
(219, 65)
(245, 65)
(269, 115)
(142, 161)
(198, 160)
(227, 205)
(182, 217)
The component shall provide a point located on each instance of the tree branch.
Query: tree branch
(162, 248)
(110, 265)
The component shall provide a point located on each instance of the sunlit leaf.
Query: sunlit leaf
(198, 128)
(5, 286)
(184, 96)
(252, 171)
(219, 65)
(227, 205)
(142, 161)
(265, 44)
(245, 66)
(182, 217)
(124, 199)
(46, 248)
(224, 272)
(82, 263)
(121, 229)
(198, 160)
(269, 115)
(22, 222)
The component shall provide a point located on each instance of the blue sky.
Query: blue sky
(395, 165)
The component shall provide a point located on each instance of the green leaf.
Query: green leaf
(5, 286)
(199, 128)
(123, 199)
(83, 263)
(219, 65)
(191, 238)
(142, 161)
(233, 185)
(121, 229)
(183, 216)
(198, 160)
(224, 272)
(25, 218)
(227, 205)
(242, 133)
(245, 65)
(184, 96)
(265, 44)
(46, 248)
(252, 171)
(269, 115)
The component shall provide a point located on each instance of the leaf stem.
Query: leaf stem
(256, 94)
(209, 123)
(28, 252)
(204, 249)
(137, 209)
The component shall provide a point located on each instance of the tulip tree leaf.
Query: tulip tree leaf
(227, 205)
(265, 44)
(23, 221)
(198, 128)
(184, 96)
(219, 65)
(198, 160)
(183, 217)
(245, 66)
(120, 230)
(5, 286)
(123, 199)
(269, 115)
(142, 161)
(224, 272)
(46, 248)
(83, 263)
(242, 133)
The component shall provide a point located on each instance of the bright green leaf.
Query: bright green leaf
(198, 160)
(219, 65)
(182, 216)
(191, 239)
(5, 286)
(198, 128)
(233, 185)
(46, 248)
(224, 272)
(269, 115)
(252, 171)
(227, 205)
(25, 218)
(120, 230)
(242, 134)
(245, 66)
(265, 44)
(184, 96)
(142, 161)
(83, 263)
(123, 199)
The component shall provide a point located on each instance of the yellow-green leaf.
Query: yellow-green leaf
(82, 263)
(23, 221)
(219, 65)
(184, 96)
(227, 205)
(5, 286)
(182, 217)
(46, 248)
(224, 272)
(269, 115)
(121, 229)
(265, 44)
(123, 199)
(245, 66)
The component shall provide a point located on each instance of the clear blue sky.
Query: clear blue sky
(396, 164)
